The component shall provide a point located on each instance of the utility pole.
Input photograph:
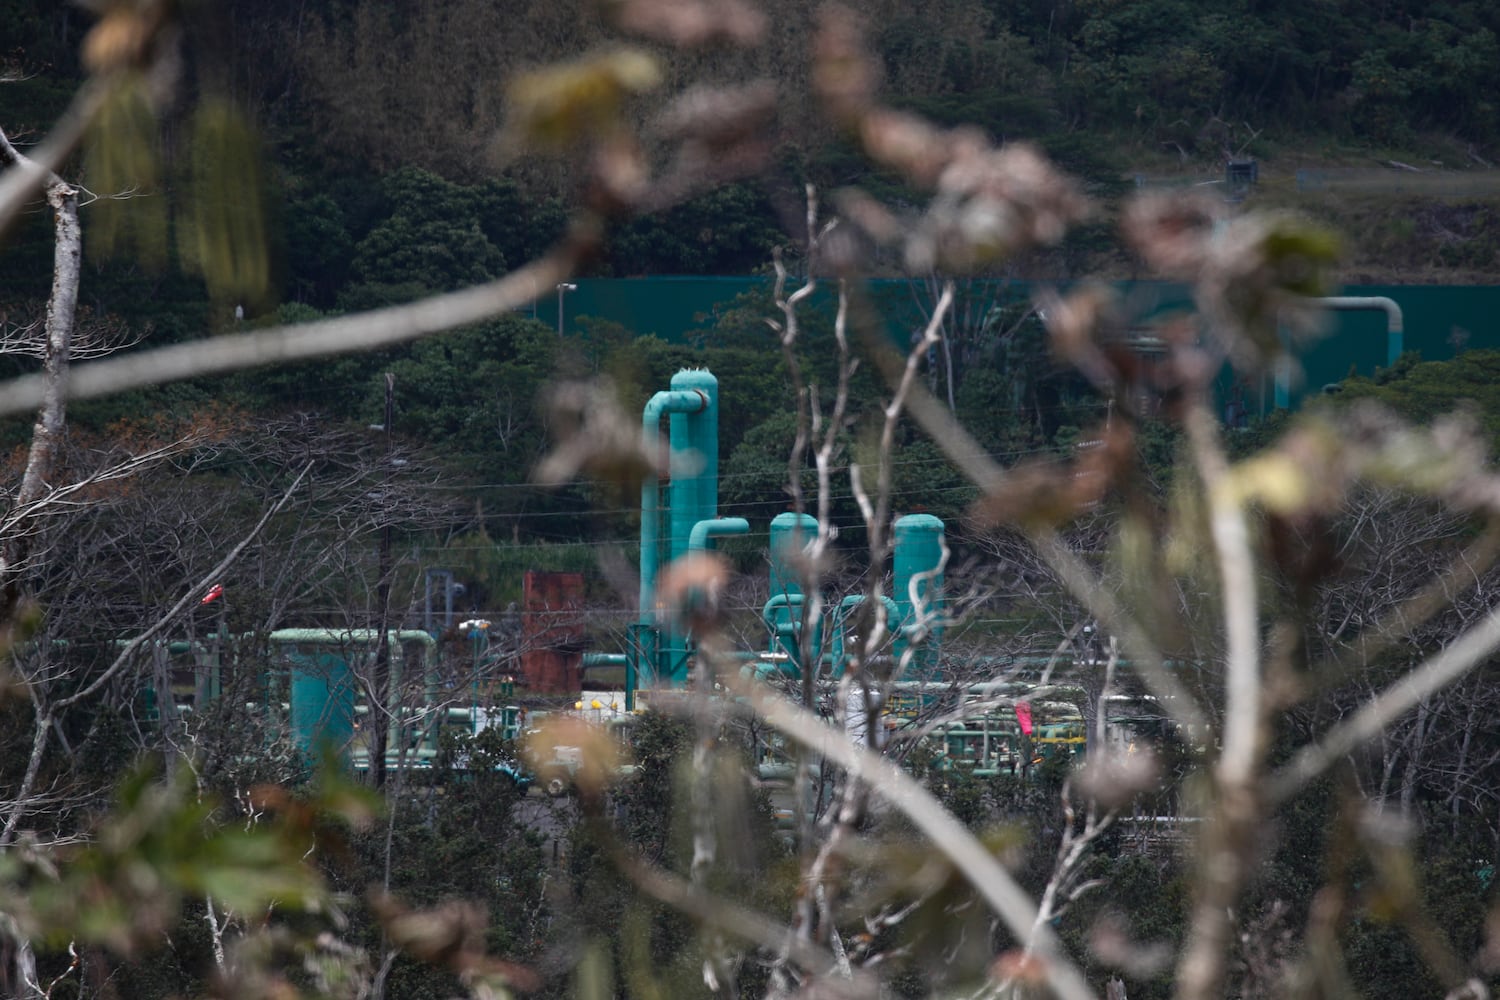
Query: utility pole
(563, 288)
(381, 681)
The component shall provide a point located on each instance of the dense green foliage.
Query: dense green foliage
(1422, 390)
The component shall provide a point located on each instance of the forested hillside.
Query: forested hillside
(351, 99)
(379, 159)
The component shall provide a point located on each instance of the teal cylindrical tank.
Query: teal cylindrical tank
(693, 496)
(919, 554)
(791, 533)
(322, 701)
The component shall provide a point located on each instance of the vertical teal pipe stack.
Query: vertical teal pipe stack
(919, 554)
(657, 651)
(694, 494)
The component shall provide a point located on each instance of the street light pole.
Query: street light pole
(381, 680)
(563, 288)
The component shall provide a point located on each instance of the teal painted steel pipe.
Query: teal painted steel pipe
(778, 607)
(783, 617)
(323, 715)
(679, 645)
(693, 464)
(919, 583)
(718, 527)
(1395, 322)
(846, 607)
(661, 404)
(791, 534)
(642, 651)
(1395, 338)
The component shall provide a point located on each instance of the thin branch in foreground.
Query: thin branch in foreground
(1230, 844)
(1469, 651)
(1239, 757)
(743, 923)
(303, 341)
(1009, 901)
(1463, 573)
(192, 595)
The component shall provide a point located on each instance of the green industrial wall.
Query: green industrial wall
(1440, 319)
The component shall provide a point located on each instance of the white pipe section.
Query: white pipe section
(1394, 322)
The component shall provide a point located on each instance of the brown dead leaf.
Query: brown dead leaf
(691, 588)
(1171, 232)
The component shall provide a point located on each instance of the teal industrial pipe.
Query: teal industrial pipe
(716, 527)
(1395, 337)
(659, 651)
(892, 624)
(919, 584)
(677, 645)
(322, 702)
(670, 401)
(1395, 323)
(783, 617)
(693, 462)
(791, 534)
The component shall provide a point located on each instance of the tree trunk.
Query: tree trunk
(33, 766)
(45, 440)
(61, 307)
(67, 255)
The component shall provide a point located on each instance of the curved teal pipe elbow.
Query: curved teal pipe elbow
(855, 600)
(715, 527)
(792, 602)
(892, 617)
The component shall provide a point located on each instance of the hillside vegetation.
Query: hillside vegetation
(349, 94)
(385, 176)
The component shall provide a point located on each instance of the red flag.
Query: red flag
(214, 593)
(1023, 716)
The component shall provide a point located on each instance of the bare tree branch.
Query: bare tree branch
(193, 593)
(303, 341)
(46, 710)
(1200, 968)
(1468, 652)
(33, 173)
(903, 791)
